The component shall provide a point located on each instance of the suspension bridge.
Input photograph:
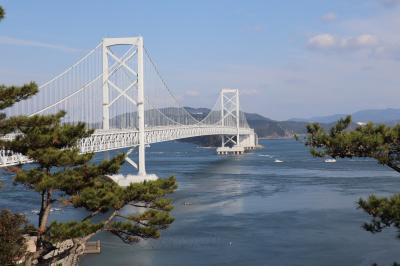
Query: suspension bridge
(106, 90)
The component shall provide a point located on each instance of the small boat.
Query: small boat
(278, 161)
(331, 160)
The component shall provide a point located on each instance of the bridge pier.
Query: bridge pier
(126, 180)
(246, 143)
(235, 150)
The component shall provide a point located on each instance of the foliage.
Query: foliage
(61, 231)
(149, 195)
(12, 94)
(12, 242)
(385, 212)
(12, 226)
(375, 141)
(2, 13)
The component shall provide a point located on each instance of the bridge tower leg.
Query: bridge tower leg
(222, 117)
(140, 108)
(136, 42)
(106, 94)
(237, 118)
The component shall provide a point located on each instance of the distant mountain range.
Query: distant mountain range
(387, 116)
(269, 128)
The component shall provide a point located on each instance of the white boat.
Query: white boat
(278, 161)
(331, 160)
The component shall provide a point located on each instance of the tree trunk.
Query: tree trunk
(46, 212)
(43, 217)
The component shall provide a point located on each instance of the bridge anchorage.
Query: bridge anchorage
(106, 90)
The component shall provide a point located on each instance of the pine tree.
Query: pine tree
(12, 242)
(380, 142)
(2, 13)
(12, 226)
(61, 174)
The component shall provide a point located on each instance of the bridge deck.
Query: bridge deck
(105, 140)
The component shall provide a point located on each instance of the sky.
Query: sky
(288, 58)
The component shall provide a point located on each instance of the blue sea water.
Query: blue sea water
(250, 210)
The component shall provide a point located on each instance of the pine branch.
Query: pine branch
(13, 94)
(2, 13)
(105, 225)
(394, 166)
(91, 215)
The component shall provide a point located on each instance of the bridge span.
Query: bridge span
(106, 90)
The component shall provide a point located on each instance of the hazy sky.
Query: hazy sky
(289, 58)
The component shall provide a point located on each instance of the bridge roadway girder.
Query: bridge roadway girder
(114, 139)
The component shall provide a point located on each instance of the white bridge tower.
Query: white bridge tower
(230, 116)
(135, 48)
